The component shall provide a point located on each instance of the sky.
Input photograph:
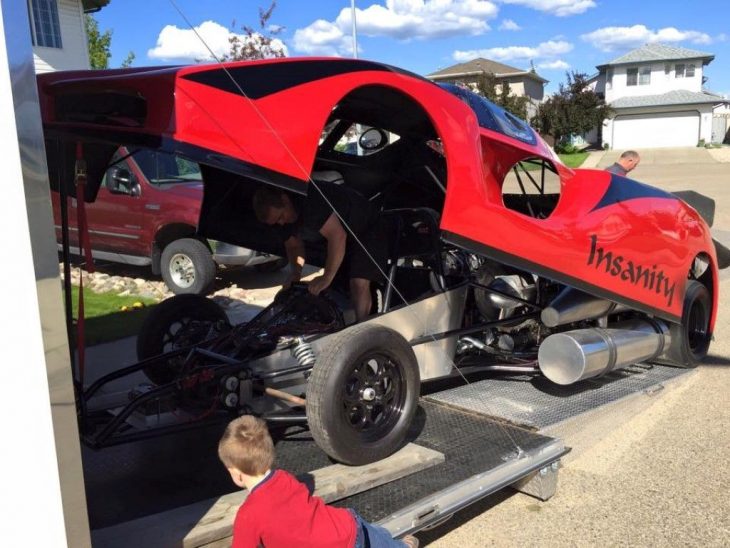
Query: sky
(424, 36)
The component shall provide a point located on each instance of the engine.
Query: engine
(504, 297)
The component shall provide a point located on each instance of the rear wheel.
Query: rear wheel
(690, 340)
(363, 394)
(177, 322)
(187, 266)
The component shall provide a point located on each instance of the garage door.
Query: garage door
(672, 129)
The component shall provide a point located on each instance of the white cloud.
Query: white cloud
(399, 19)
(614, 38)
(558, 64)
(561, 8)
(508, 24)
(546, 50)
(322, 38)
(178, 44)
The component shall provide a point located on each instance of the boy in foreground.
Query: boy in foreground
(279, 510)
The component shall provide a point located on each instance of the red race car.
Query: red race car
(499, 256)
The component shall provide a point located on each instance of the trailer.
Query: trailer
(469, 441)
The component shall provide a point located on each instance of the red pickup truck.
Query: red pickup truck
(146, 213)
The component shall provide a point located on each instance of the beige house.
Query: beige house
(521, 82)
(58, 33)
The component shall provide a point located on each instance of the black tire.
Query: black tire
(187, 266)
(691, 339)
(177, 322)
(363, 364)
(272, 266)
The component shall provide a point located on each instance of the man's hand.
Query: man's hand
(295, 253)
(319, 284)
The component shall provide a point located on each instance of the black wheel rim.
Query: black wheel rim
(185, 332)
(374, 396)
(698, 321)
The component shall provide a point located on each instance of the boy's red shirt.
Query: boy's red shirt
(280, 512)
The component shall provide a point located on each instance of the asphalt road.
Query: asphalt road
(660, 479)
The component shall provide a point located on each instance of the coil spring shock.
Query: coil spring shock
(303, 353)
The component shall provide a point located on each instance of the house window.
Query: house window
(632, 76)
(679, 70)
(645, 76)
(45, 29)
(690, 71)
(609, 78)
(667, 69)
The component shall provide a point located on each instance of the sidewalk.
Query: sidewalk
(594, 157)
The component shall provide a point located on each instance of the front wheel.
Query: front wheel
(363, 394)
(690, 340)
(187, 266)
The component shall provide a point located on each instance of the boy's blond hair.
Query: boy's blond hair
(247, 446)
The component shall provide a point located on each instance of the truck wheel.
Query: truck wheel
(363, 394)
(690, 340)
(187, 266)
(177, 322)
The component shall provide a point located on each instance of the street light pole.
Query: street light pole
(354, 29)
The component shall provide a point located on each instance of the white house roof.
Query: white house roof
(658, 52)
(674, 97)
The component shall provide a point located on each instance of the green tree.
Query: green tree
(516, 104)
(256, 44)
(99, 44)
(499, 93)
(574, 110)
(128, 60)
(487, 86)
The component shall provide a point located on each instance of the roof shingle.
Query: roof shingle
(675, 97)
(482, 65)
(659, 52)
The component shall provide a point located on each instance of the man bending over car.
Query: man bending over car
(311, 219)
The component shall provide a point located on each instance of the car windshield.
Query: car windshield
(163, 168)
(491, 116)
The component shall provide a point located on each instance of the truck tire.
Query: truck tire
(187, 266)
(177, 322)
(362, 394)
(690, 340)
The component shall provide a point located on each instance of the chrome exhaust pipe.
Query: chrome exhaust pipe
(566, 358)
(572, 305)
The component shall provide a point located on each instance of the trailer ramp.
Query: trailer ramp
(482, 456)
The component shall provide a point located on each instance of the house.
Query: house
(658, 98)
(58, 33)
(521, 82)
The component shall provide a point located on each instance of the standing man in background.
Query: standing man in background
(626, 162)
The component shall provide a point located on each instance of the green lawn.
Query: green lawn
(104, 319)
(573, 160)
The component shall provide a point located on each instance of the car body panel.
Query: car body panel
(607, 235)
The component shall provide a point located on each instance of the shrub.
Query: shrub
(566, 147)
(701, 143)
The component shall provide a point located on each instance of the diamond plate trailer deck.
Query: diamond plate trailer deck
(492, 434)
